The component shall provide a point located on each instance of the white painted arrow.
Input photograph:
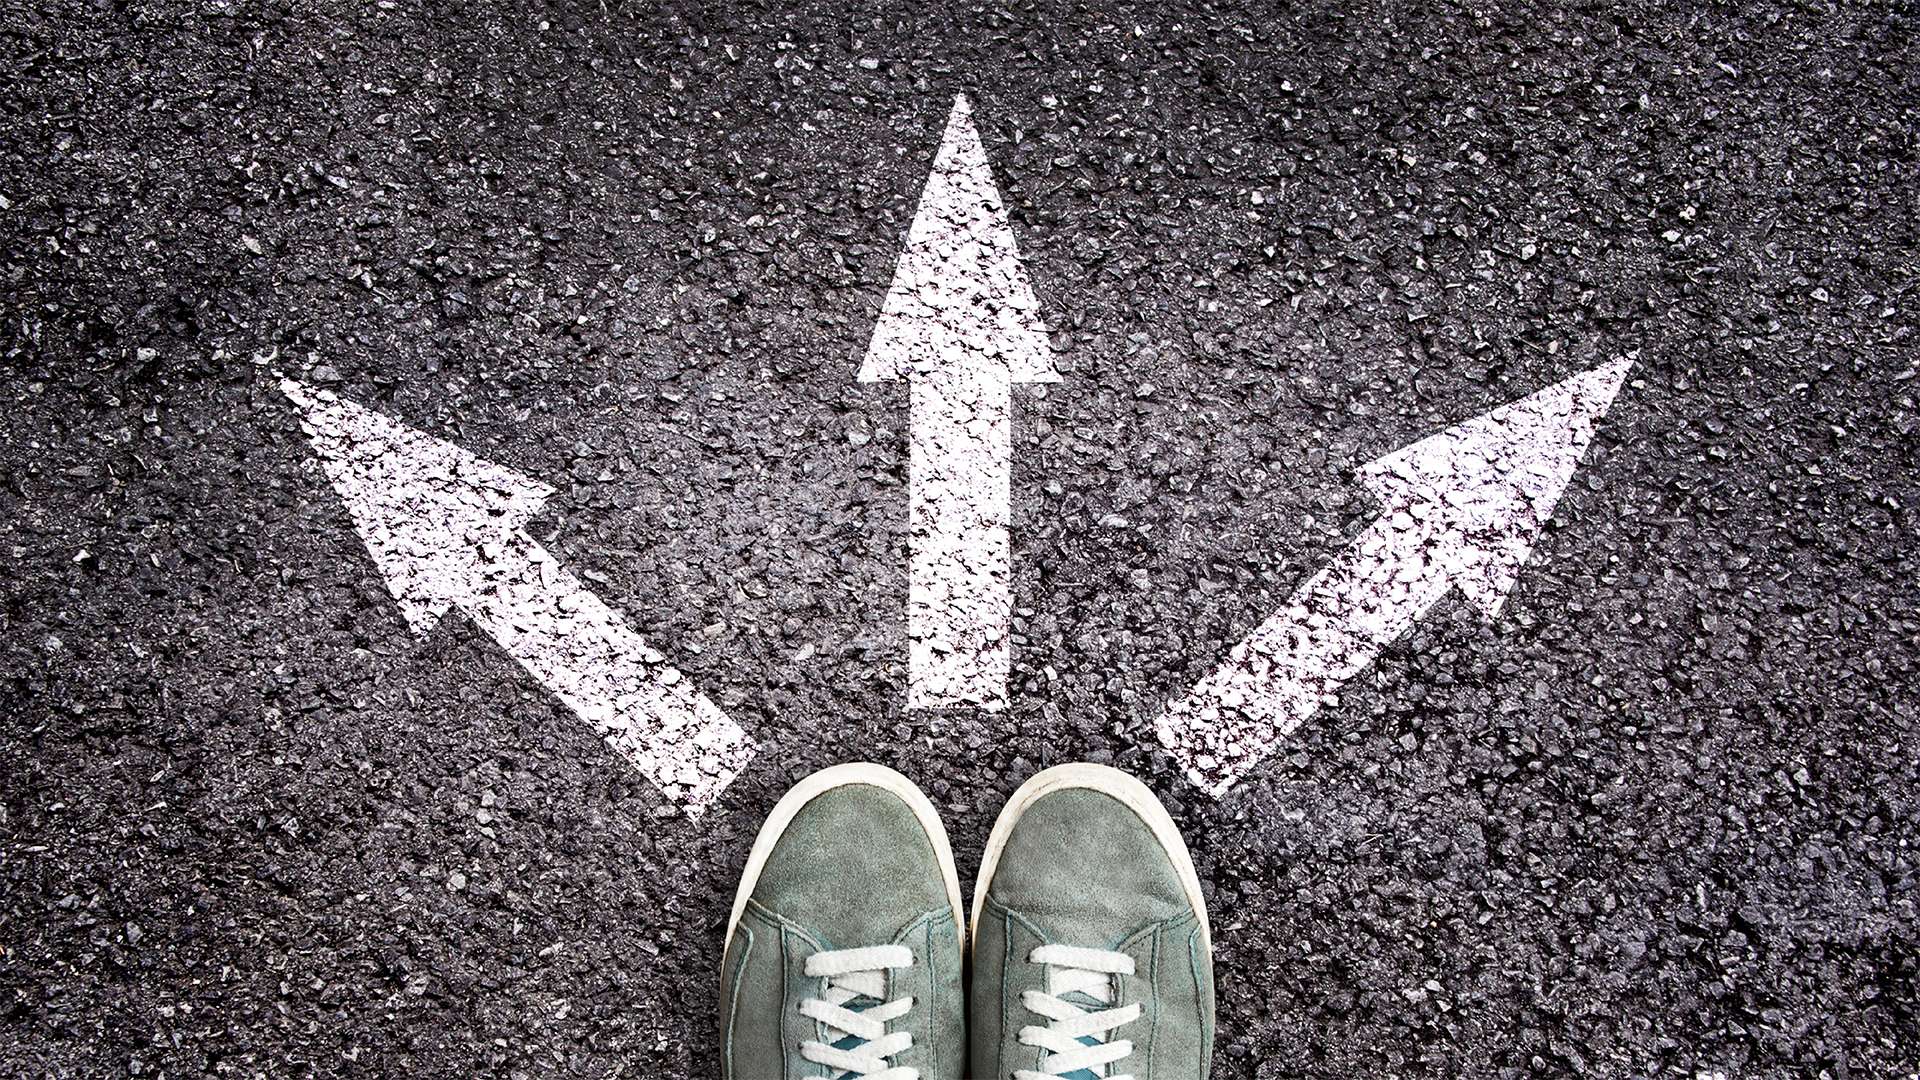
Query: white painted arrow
(1463, 509)
(447, 528)
(961, 323)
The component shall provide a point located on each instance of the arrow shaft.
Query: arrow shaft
(582, 650)
(1330, 631)
(959, 602)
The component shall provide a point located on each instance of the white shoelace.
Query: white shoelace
(1073, 1036)
(859, 1043)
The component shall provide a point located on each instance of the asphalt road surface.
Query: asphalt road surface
(1652, 820)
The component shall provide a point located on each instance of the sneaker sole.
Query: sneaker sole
(818, 784)
(1115, 784)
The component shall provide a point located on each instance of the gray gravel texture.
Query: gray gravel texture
(1654, 820)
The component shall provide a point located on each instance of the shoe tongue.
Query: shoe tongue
(854, 1042)
(1082, 1074)
(1084, 1000)
(1091, 1004)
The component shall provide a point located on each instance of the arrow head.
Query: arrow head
(429, 512)
(1481, 491)
(960, 297)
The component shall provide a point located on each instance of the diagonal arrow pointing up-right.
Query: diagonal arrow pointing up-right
(1463, 509)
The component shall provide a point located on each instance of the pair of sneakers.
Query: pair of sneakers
(1088, 947)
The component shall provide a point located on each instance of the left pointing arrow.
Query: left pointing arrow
(447, 529)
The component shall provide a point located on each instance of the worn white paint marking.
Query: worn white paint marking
(961, 323)
(447, 528)
(1462, 510)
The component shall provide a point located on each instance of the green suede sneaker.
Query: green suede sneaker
(1091, 954)
(843, 950)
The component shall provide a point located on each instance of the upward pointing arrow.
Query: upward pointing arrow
(1462, 509)
(961, 323)
(447, 529)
